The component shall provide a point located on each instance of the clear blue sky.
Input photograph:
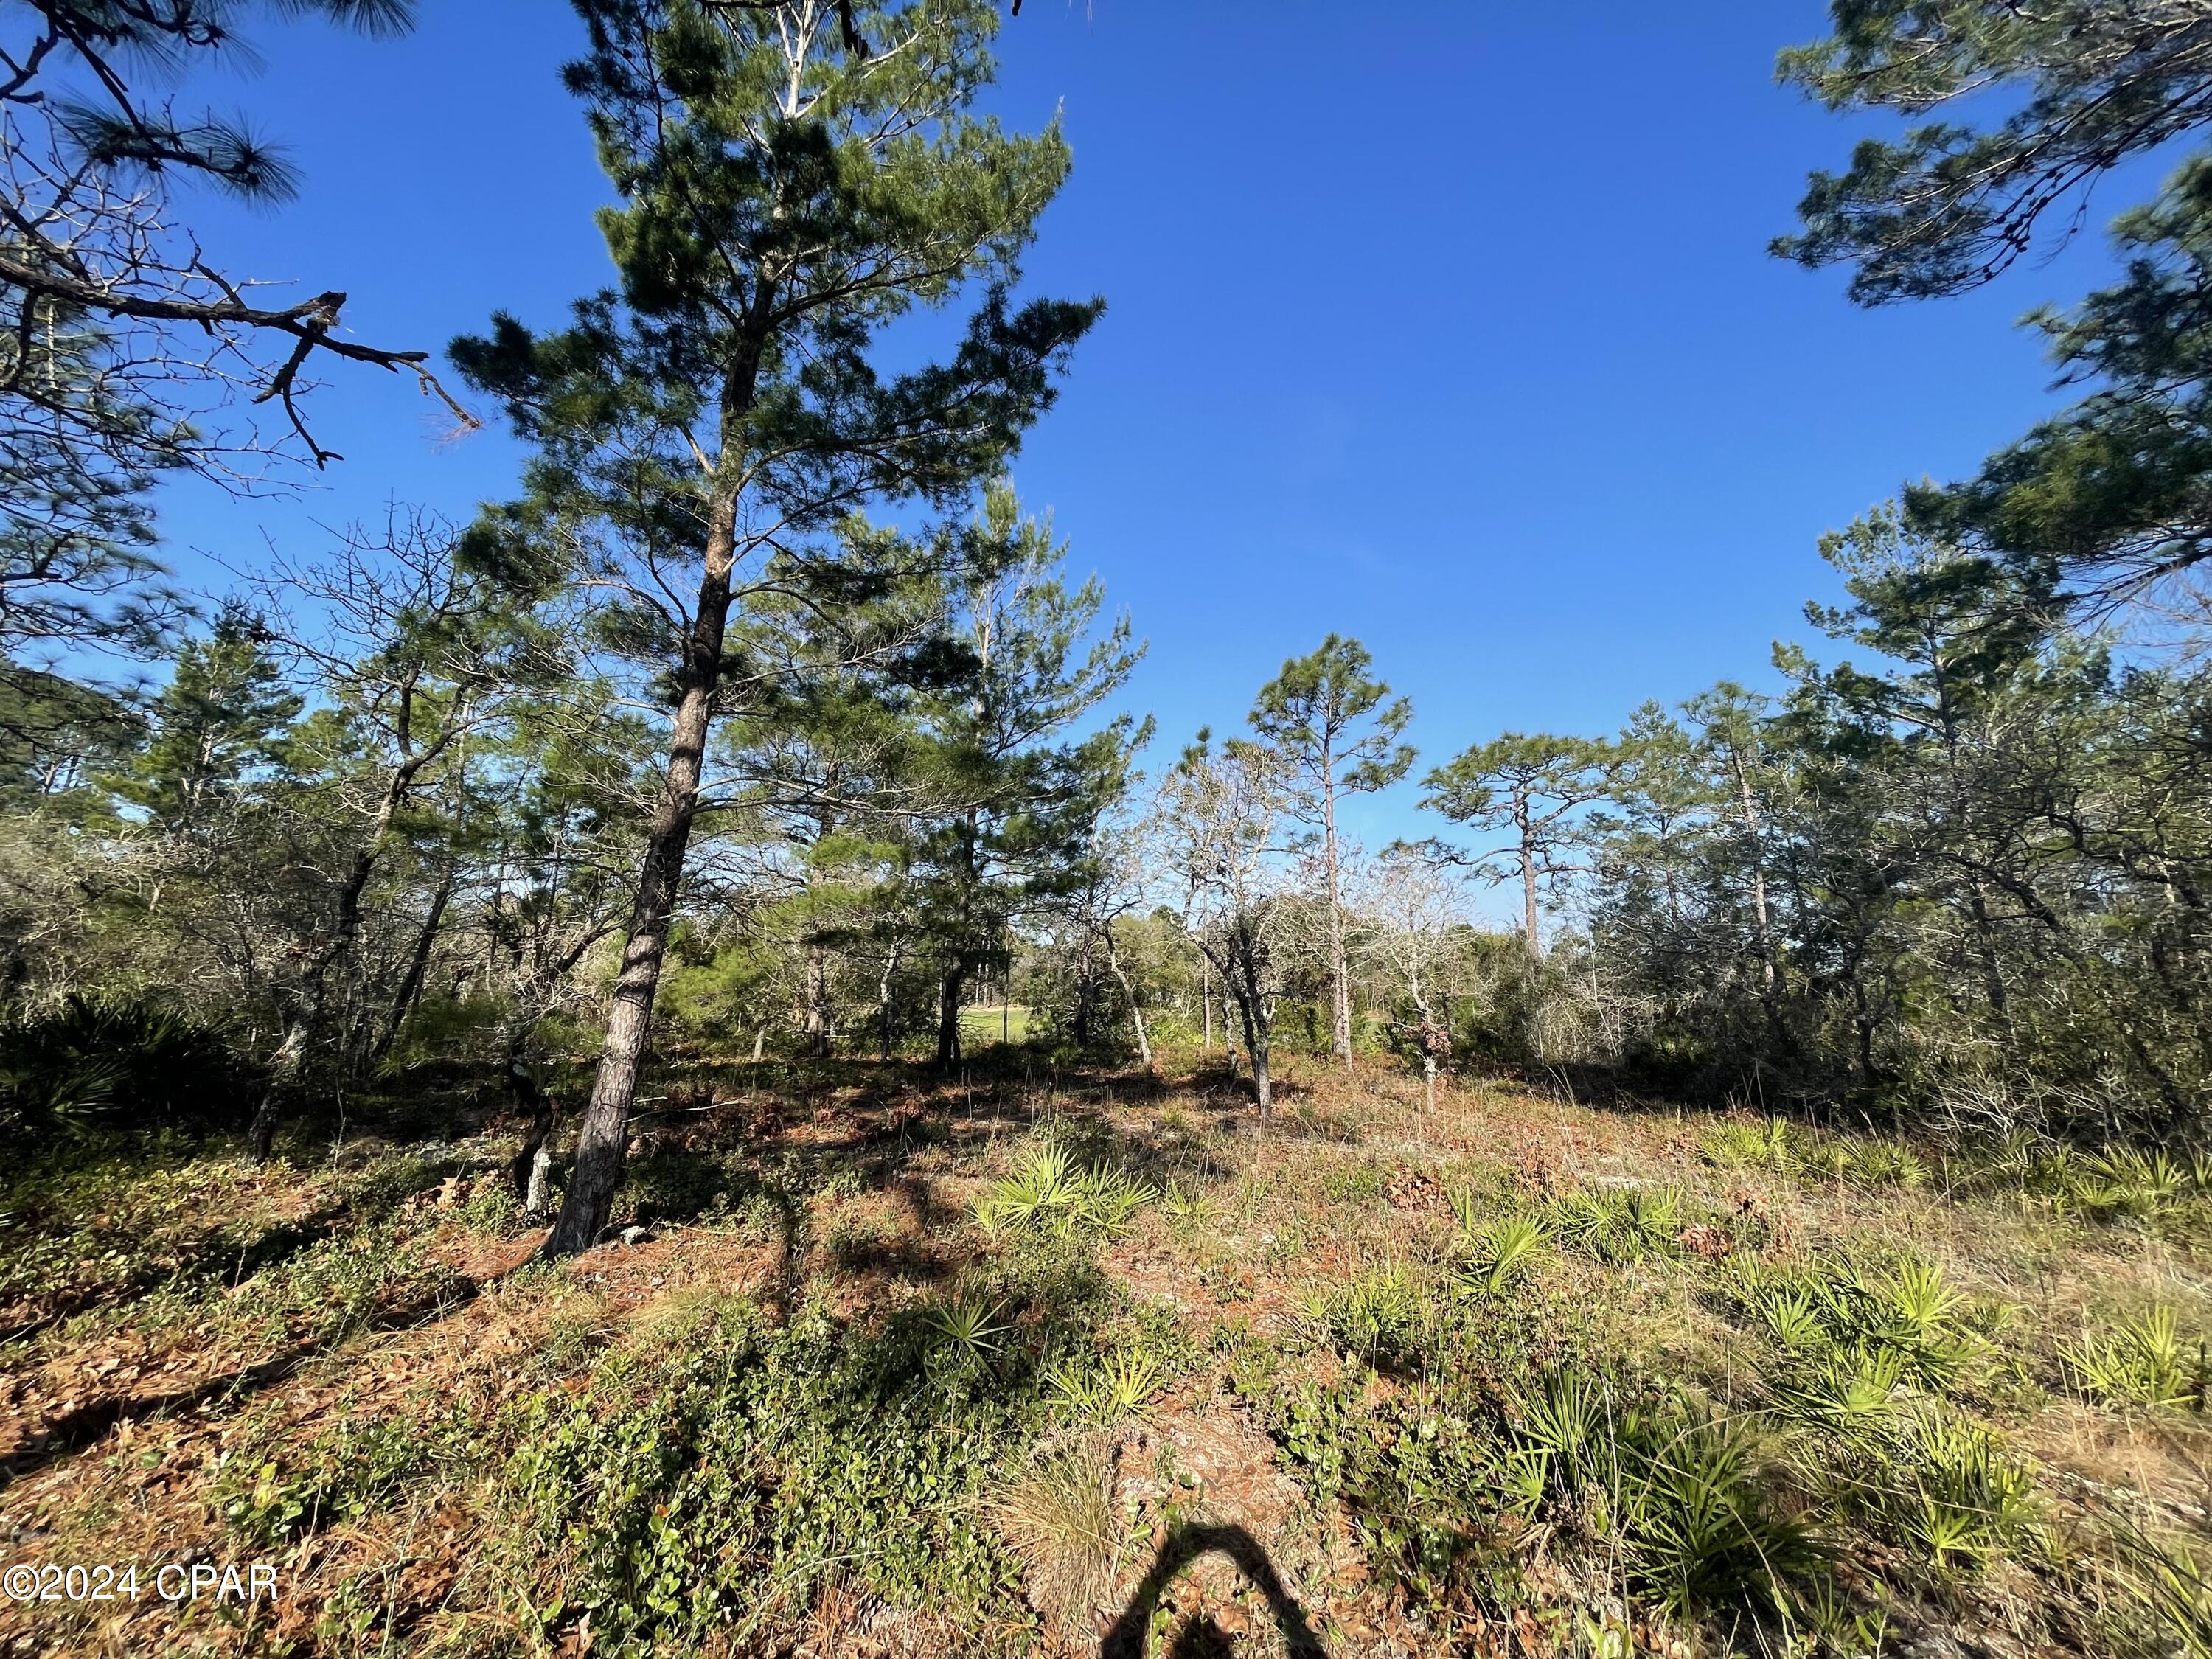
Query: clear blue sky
(1449, 327)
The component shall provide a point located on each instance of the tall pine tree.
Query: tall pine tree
(788, 186)
(1325, 714)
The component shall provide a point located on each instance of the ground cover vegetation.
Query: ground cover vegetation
(649, 1072)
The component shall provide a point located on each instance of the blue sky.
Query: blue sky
(1449, 327)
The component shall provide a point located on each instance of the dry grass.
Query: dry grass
(1059, 1517)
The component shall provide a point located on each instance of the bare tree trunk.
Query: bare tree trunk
(818, 1002)
(960, 962)
(1206, 1003)
(1243, 969)
(338, 957)
(411, 988)
(537, 1191)
(1136, 1009)
(1432, 1040)
(334, 956)
(1993, 985)
(1862, 1022)
(883, 1004)
(1750, 810)
(1084, 996)
(283, 1068)
(1256, 1044)
(602, 1137)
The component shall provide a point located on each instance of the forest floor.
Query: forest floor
(1091, 1364)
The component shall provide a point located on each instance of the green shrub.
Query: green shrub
(1048, 1192)
(449, 1028)
(1108, 1387)
(1382, 1316)
(330, 1290)
(1875, 1162)
(1418, 1481)
(1962, 1499)
(690, 1493)
(2165, 1602)
(2111, 1184)
(678, 1184)
(1501, 1253)
(1733, 1144)
(100, 1063)
(1822, 1312)
(1561, 1418)
(2146, 1362)
(1682, 1492)
(270, 1492)
(1191, 1208)
(2128, 1184)
(1619, 1223)
(969, 1330)
(1358, 1183)
(1851, 1393)
(491, 1209)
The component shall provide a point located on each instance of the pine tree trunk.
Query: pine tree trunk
(1340, 976)
(952, 988)
(884, 1005)
(818, 1002)
(603, 1136)
(1532, 933)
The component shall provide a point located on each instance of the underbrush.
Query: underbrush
(126, 1233)
(733, 1471)
(1843, 1477)
(704, 1478)
(699, 1477)
(1607, 1385)
(1503, 1427)
(93, 1064)
(2115, 1184)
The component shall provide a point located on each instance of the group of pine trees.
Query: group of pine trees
(764, 715)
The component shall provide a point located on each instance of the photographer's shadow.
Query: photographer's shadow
(1205, 1639)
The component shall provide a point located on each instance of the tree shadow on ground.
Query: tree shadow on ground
(737, 1150)
(1128, 1638)
(91, 1420)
